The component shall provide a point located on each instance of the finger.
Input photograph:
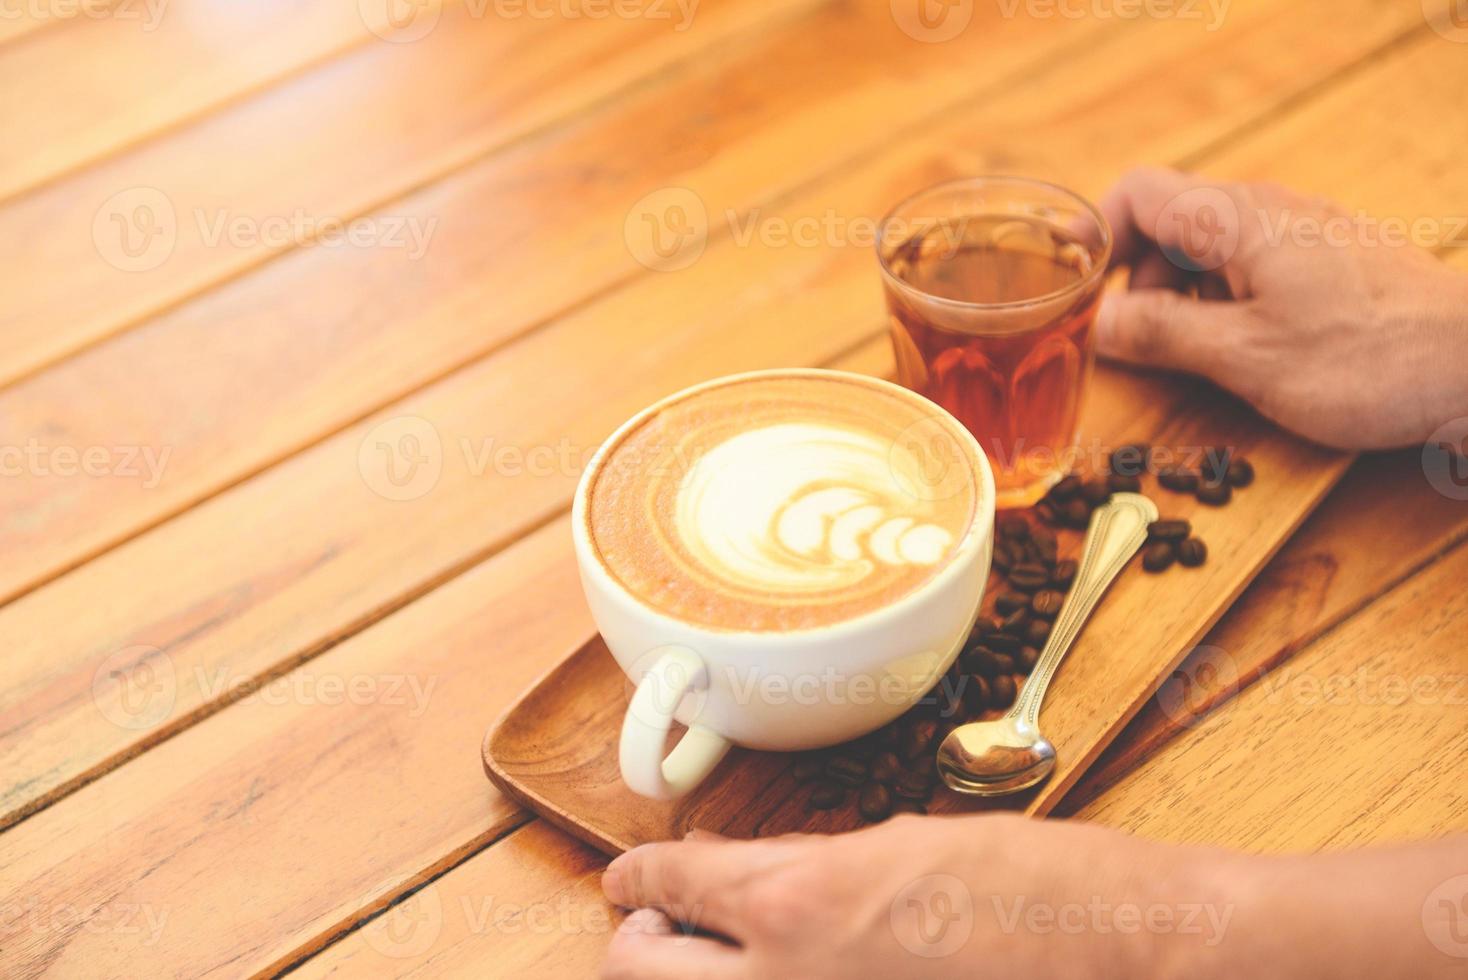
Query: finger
(1163, 328)
(697, 882)
(647, 946)
(1195, 223)
(699, 834)
(1155, 271)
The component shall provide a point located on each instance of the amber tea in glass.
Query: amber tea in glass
(992, 285)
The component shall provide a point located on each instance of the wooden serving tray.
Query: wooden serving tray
(555, 750)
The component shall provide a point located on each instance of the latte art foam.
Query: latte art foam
(782, 502)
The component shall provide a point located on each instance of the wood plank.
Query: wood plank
(1356, 740)
(258, 368)
(343, 138)
(313, 796)
(113, 81)
(1380, 526)
(308, 574)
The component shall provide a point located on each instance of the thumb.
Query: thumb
(1167, 329)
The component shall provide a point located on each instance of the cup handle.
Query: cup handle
(645, 729)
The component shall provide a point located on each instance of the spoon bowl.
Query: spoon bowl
(995, 758)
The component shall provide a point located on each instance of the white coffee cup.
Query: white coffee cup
(784, 691)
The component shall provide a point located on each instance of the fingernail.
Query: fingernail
(611, 883)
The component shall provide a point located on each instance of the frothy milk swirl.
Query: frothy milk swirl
(801, 508)
(778, 502)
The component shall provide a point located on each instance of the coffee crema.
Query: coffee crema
(782, 501)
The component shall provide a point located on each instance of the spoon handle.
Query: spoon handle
(1117, 530)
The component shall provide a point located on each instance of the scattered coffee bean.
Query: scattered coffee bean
(1076, 515)
(1037, 631)
(1029, 577)
(1064, 574)
(917, 737)
(1028, 657)
(913, 786)
(1046, 547)
(1168, 530)
(1003, 643)
(999, 663)
(806, 768)
(909, 806)
(1003, 690)
(826, 796)
(926, 765)
(1158, 556)
(973, 657)
(1123, 484)
(983, 626)
(1002, 560)
(1015, 621)
(950, 705)
(1215, 464)
(1215, 494)
(1240, 473)
(1178, 479)
(1047, 603)
(1129, 460)
(1007, 602)
(1046, 512)
(1067, 488)
(975, 693)
(1095, 492)
(875, 802)
(1192, 552)
(885, 767)
(847, 770)
(1012, 527)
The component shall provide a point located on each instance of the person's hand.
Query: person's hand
(1329, 324)
(994, 895)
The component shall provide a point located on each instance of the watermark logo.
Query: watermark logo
(1453, 25)
(1445, 917)
(408, 928)
(136, 687)
(927, 461)
(1199, 229)
(667, 230)
(1445, 459)
(135, 230)
(932, 21)
(1207, 677)
(933, 916)
(1210, 13)
(401, 458)
(400, 21)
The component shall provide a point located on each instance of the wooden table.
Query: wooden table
(312, 309)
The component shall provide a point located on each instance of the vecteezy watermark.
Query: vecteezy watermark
(1445, 917)
(138, 229)
(143, 921)
(933, 916)
(932, 21)
(1452, 23)
(136, 687)
(34, 458)
(1207, 677)
(324, 688)
(401, 458)
(1205, 920)
(405, 21)
(148, 14)
(1445, 459)
(667, 230)
(1209, 13)
(1367, 687)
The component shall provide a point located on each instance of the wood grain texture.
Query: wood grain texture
(311, 572)
(263, 176)
(266, 364)
(1357, 740)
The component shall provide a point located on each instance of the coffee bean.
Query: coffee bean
(1240, 473)
(1168, 530)
(1076, 514)
(1046, 547)
(1178, 479)
(1028, 657)
(975, 693)
(1006, 556)
(1192, 552)
(913, 786)
(917, 737)
(1064, 574)
(926, 765)
(826, 796)
(1029, 577)
(1130, 460)
(875, 802)
(1003, 689)
(847, 770)
(1065, 489)
(1000, 663)
(1007, 602)
(1045, 510)
(806, 768)
(1014, 623)
(983, 626)
(949, 703)
(885, 767)
(1095, 491)
(1012, 527)
(1158, 556)
(1215, 494)
(1037, 631)
(1003, 643)
(971, 658)
(909, 806)
(1123, 484)
(1047, 603)
(1215, 464)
